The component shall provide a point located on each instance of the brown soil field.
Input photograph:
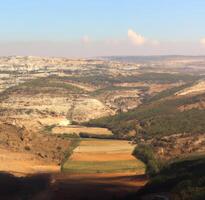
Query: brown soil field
(22, 163)
(100, 156)
(104, 146)
(103, 156)
(81, 129)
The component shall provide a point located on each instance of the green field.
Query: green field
(103, 167)
(103, 156)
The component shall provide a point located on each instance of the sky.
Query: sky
(90, 28)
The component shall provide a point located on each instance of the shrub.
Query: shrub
(27, 148)
(183, 179)
(145, 154)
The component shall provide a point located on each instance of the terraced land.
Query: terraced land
(103, 156)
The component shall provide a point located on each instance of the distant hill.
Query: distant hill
(151, 58)
(165, 114)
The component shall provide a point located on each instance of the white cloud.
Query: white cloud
(202, 41)
(135, 38)
(85, 39)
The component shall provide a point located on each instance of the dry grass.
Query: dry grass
(105, 146)
(81, 129)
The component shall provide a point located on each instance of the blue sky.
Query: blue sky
(102, 27)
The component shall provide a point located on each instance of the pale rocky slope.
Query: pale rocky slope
(195, 89)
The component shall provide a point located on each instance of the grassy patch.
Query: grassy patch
(102, 167)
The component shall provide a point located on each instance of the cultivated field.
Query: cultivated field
(81, 129)
(96, 186)
(103, 156)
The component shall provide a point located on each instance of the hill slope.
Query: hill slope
(168, 115)
(181, 180)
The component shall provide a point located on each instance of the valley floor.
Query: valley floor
(103, 156)
(65, 186)
(100, 169)
(97, 169)
(96, 186)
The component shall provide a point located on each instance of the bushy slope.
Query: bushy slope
(160, 117)
(181, 180)
(150, 77)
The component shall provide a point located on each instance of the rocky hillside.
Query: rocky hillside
(182, 179)
(50, 149)
(51, 90)
(172, 124)
(136, 97)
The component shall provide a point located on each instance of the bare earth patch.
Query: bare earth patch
(101, 156)
(24, 163)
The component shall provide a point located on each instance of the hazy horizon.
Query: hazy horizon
(102, 28)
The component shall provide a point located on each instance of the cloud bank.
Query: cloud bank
(133, 44)
(135, 38)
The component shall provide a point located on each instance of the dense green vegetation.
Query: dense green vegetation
(92, 79)
(104, 136)
(182, 180)
(159, 78)
(117, 88)
(144, 77)
(146, 155)
(97, 136)
(118, 166)
(157, 118)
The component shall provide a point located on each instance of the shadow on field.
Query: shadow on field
(100, 187)
(22, 188)
(67, 187)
